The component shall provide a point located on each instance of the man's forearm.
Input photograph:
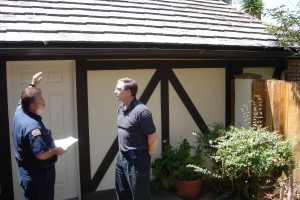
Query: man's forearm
(152, 143)
(51, 152)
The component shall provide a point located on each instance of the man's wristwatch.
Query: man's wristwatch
(32, 85)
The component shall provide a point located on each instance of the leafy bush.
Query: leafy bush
(206, 141)
(252, 157)
(246, 159)
(184, 158)
(249, 158)
(162, 169)
(173, 164)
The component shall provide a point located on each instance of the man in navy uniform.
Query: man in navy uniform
(34, 148)
(137, 138)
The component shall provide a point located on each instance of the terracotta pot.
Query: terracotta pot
(188, 189)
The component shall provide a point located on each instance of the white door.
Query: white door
(59, 116)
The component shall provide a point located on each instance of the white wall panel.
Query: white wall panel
(103, 113)
(206, 89)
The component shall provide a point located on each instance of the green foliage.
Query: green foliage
(162, 169)
(287, 28)
(252, 150)
(252, 7)
(206, 141)
(184, 158)
(245, 160)
(173, 164)
(248, 159)
(251, 157)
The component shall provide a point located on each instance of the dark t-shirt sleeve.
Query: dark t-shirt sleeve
(146, 122)
(38, 141)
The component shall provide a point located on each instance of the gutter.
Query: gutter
(142, 52)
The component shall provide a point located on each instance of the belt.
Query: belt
(38, 167)
(134, 153)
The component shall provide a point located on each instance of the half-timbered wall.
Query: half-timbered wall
(205, 87)
(182, 98)
(183, 95)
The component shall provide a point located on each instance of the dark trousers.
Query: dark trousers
(37, 183)
(132, 177)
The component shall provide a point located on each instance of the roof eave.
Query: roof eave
(121, 50)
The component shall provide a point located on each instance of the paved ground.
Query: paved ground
(205, 194)
(166, 195)
(173, 196)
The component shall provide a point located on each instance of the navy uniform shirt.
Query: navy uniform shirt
(134, 125)
(31, 138)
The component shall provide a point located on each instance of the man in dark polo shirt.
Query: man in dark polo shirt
(34, 148)
(137, 142)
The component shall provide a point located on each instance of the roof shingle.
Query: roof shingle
(191, 22)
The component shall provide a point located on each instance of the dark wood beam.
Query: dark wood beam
(83, 127)
(6, 178)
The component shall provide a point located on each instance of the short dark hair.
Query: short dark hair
(130, 84)
(29, 96)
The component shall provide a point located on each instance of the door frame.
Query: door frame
(8, 174)
(6, 181)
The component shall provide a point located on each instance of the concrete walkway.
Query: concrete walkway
(165, 195)
(171, 195)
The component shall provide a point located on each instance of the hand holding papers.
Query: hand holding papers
(65, 143)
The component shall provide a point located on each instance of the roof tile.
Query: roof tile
(195, 22)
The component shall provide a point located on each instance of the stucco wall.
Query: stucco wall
(205, 87)
(103, 113)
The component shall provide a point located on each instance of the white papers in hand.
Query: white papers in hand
(65, 143)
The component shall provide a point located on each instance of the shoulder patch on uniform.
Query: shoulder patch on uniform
(36, 132)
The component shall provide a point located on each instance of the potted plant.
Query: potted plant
(188, 182)
(173, 168)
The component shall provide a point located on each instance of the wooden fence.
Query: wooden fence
(280, 110)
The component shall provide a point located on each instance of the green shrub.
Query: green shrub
(162, 169)
(206, 141)
(246, 159)
(249, 158)
(173, 164)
